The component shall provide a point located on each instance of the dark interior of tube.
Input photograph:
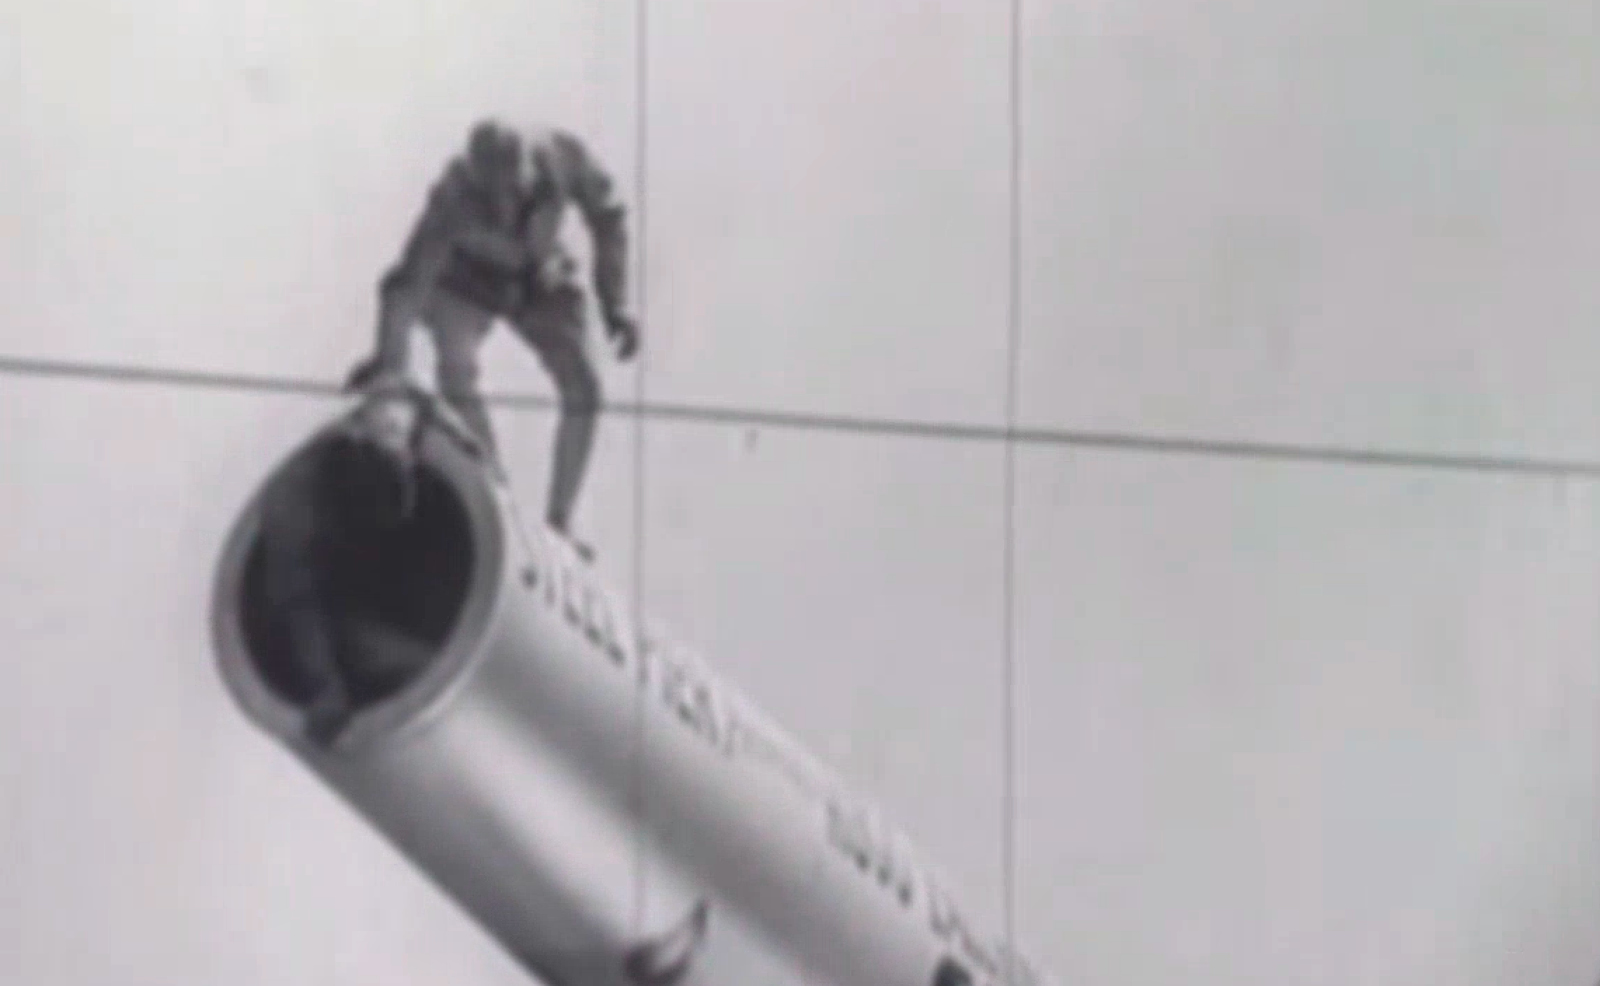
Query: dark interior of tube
(951, 973)
(386, 597)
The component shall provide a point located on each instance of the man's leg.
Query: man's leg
(459, 329)
(554, 328)
(296, 589)
(312, 634)
(399, 297)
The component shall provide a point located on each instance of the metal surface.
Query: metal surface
(547, 744)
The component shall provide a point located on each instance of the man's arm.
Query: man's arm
(591, 189)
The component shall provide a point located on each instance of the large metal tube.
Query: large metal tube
(532, 753)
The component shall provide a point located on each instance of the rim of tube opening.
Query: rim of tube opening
(416, 701)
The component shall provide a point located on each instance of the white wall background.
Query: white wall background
(1276, 722)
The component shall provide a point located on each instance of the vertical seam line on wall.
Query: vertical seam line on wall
(1008, 836)
(641, 106)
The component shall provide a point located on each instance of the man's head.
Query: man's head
(494, 156)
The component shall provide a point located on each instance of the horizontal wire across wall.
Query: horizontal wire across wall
(955, 431)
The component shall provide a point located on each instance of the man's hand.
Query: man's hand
(362, 374)
(622, 330)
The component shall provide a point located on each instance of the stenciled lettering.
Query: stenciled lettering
(749, 742)
(587, 609)
(666, 670)
(678, 680)
(874, 850)
(601, 625)
(950, 926)
(690, 699)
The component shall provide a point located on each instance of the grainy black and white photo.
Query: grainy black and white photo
(800, 493)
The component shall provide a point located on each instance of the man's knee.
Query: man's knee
(556, 333)
(578, 386)
(458, 385)
(457, 336)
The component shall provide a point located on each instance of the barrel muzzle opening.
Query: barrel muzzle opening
(400, 607)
